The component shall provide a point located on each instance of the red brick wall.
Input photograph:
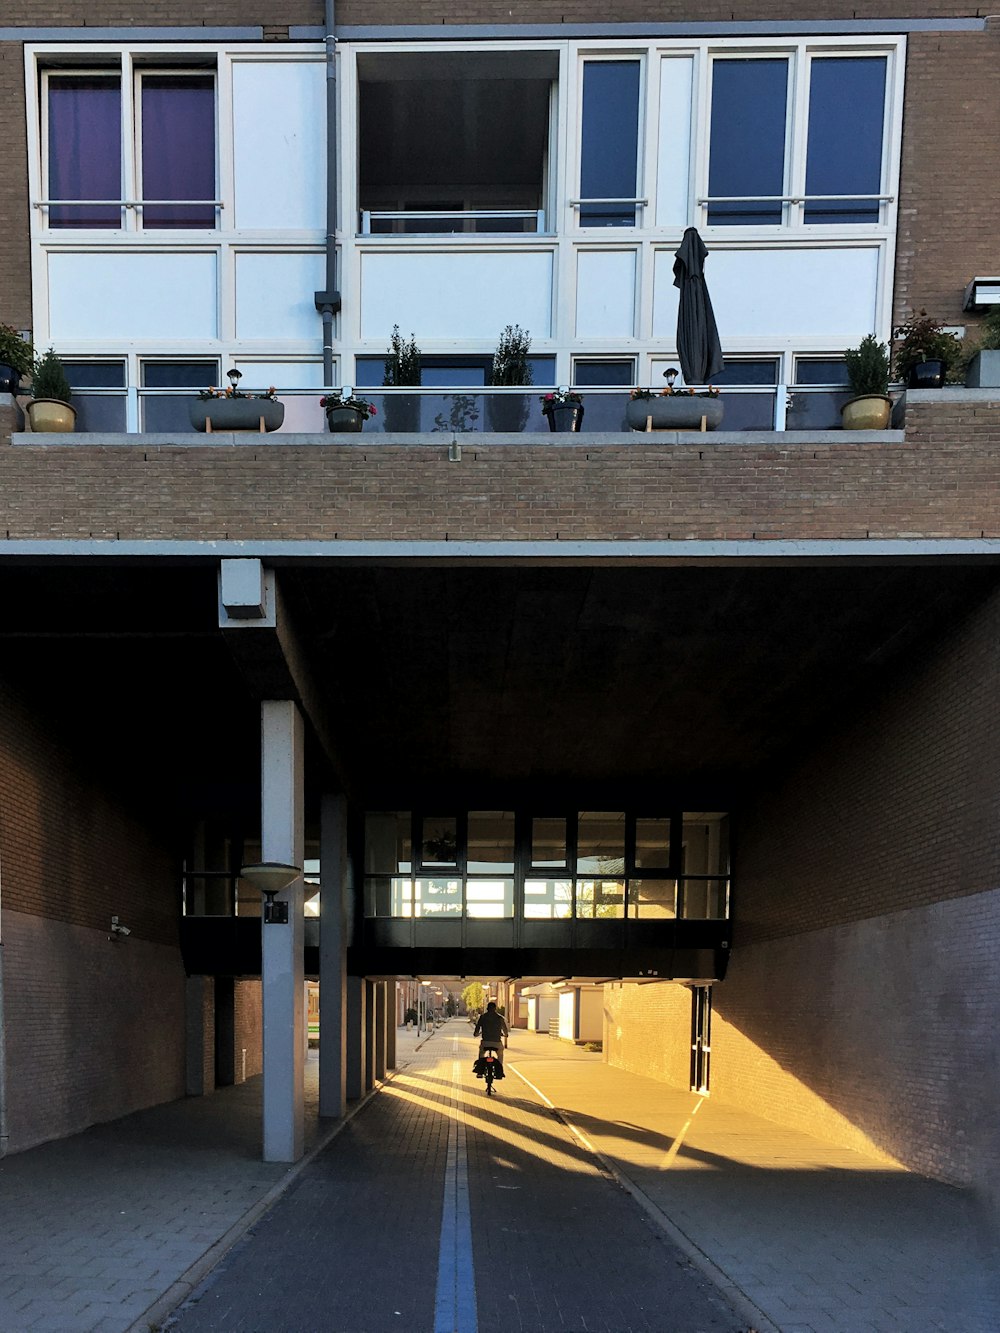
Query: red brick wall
(647, 1030)
(942, 480)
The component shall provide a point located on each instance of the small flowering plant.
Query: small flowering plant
(561, 397)
(346, 398)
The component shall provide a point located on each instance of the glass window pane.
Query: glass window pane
(171, 413)
(387, 842)
(548, 842)
(600, 898)
(704, 899)
(652, 843)
(649, 899)
(178, 148)
(437, 897)
(440, 841)
(604, 373)
(844, 152)
(208, 895)
(85, 148)
(706, 844)
(762, 370)
(95, 374)
(600, 846)
(820, 370)
(548, 899)
(491, 842)
(103, 413)
(748, 139)
(609, 141)
(489, 898)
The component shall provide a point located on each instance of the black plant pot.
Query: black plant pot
(10, 378)
(565, 416)
(343, 420)
(926, 375)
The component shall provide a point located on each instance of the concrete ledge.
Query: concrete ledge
(469, 441)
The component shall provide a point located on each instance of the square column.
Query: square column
(282, 969)
(369, 1052)
(334, 889)
(355, 1037)
(392, 1023)
(381, 1019)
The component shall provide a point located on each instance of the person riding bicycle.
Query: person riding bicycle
(493, 1032)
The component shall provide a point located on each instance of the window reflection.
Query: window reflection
(489, 898)
(548, 842)
(649, 899)
(600, 898)
(440, 841)
(491, 842)
(548, 899)
(652, 843)
(600, 846)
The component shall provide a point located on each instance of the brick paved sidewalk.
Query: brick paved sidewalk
(817, 1237)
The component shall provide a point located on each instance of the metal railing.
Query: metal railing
(407, 221)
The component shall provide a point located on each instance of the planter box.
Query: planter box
(212, 414)
(984, 371)
(678, 412)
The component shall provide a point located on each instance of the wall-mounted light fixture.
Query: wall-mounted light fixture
(270, 877)
(981, 294)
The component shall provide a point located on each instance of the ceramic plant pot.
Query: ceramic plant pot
(565, 416)
(869, 412)
(212, 414)
(51, 415)
(344, 420)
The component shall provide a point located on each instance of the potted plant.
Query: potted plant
(50, 408)
(868, 375)
(400, 368)
(345, 412)
(674, 408)
(17, 358)
(925, 355)
(563, 409)
(983, 359)
(232, 409)
(511, 369)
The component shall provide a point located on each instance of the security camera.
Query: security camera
(118, 928)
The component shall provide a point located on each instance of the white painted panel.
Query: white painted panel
(673, 159)
(118, 296)
(456, 295)
(275, 296)
(605, 294)
(781, 294)
(285, 374)
(279, 149)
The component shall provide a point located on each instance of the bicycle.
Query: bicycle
(492, 1067)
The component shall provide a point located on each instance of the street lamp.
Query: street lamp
(270, 877)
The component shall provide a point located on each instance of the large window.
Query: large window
(149, 156)
(818, 159)
(593, 865)
(609, 143)
(453, 143)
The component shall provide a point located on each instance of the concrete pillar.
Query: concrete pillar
(333, 956)
(283, 972)
(369, 1052)
(381, 1023)
(355, 1037)
(392, 1026)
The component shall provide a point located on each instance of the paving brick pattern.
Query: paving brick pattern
(557, 1244)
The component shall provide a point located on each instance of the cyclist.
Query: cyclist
(493, 1032)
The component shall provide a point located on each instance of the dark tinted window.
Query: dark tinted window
(748, 138)
(609, 141)
(846, 114)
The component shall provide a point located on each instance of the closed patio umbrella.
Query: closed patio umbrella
(698, 348)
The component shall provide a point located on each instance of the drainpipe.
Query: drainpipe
(328, 300)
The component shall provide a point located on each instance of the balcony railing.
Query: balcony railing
(462, 411)
(425, 222)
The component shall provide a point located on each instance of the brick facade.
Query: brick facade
(248, 1028)
(942, 480)
(858, 1002)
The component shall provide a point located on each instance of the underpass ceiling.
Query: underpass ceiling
(480, 677)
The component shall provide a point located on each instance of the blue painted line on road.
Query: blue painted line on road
(455, 1298)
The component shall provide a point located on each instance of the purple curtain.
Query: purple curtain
(178, 149)
(85, 149)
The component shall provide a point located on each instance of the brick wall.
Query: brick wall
(95, 1026)
(647, 1030)
(71, 849)
(249, 1028)
(942, 480)
(15, 259)
(859, 1001)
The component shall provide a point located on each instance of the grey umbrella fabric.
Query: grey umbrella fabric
(698, 348)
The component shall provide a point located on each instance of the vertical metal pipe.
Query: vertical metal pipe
(328, 300)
